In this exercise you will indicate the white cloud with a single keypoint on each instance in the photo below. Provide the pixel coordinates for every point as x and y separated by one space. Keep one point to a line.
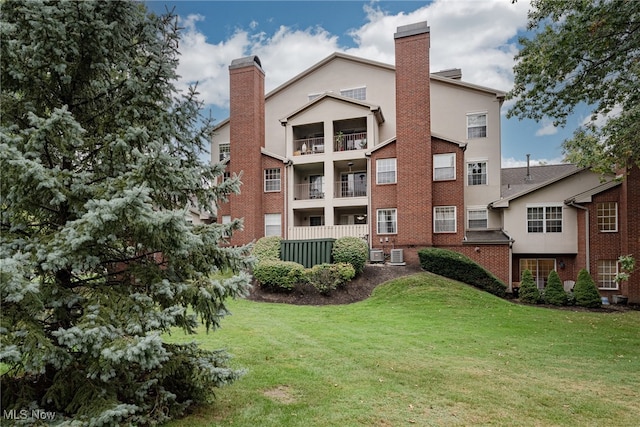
476 36
518 163
547 128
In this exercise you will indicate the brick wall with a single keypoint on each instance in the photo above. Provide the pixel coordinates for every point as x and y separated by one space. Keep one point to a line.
247 135
450 193
629 216
413 132
274 202
384 196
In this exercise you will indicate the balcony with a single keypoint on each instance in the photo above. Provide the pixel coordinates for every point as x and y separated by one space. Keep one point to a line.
328 232
308 191
350 141
308 146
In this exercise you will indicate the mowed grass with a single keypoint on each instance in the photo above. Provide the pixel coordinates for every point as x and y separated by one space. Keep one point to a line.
427 351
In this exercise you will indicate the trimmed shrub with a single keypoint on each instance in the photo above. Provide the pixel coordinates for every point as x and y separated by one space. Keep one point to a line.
529 292
267 248
352 250
328 277
585 291
554 292
278 275
459 267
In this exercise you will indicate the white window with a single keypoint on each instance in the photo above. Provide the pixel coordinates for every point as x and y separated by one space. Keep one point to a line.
476 125
608 216
226 219
477 173
386 171
225 151
607 271
444 166
477 218
272 224
544 219
313 96
387 221
272 180
539 268
444 219
359 93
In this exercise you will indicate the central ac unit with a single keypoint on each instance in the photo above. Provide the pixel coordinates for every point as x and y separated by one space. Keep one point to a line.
376 255
396 256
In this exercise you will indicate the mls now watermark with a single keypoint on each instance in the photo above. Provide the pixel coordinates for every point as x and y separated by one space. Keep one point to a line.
24 414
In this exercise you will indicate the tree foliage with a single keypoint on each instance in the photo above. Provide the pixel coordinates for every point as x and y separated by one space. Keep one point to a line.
554 292
529 292
584 53
100 157
585 291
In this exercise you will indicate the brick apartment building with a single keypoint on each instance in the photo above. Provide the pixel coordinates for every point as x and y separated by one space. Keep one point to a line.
407 159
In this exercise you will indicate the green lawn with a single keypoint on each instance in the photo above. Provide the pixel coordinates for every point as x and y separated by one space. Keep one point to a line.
425 351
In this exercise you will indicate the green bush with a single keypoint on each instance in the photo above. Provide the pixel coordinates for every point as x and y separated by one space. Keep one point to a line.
585 291
529 292
352 250
554 292
278 275
459 267
267 248
327 277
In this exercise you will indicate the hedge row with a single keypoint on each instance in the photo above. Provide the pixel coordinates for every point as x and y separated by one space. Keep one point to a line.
459 267
285 275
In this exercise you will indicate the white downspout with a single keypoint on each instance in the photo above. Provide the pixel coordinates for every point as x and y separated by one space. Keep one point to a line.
586 226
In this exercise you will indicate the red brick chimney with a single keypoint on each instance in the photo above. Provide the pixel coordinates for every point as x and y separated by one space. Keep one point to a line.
247 136
413 135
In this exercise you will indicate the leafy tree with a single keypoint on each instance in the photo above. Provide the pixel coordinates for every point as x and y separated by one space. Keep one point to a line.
554 292
584 53
100 158
585 291
528 292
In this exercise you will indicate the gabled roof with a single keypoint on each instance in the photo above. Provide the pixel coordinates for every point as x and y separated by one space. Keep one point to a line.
337 55
586 196
462 145
375 109
517 182
273 155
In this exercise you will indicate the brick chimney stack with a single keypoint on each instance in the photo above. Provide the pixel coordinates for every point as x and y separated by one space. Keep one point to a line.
413 133
247 136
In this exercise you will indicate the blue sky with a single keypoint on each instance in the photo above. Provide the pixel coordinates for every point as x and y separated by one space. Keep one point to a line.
479 36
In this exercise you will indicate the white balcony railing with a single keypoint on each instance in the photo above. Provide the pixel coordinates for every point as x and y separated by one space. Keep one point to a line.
328 232
351 141
308 146
308 191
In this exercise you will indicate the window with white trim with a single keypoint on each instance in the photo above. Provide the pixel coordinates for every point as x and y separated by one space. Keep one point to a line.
272 180
225 151
477 219
544 219
444 219
359 93
444 166
387 221
476 125
386 171
226 219
273 224
539 268
608 217
607 271
477 173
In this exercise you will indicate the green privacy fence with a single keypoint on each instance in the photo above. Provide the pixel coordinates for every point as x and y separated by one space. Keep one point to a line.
307 252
